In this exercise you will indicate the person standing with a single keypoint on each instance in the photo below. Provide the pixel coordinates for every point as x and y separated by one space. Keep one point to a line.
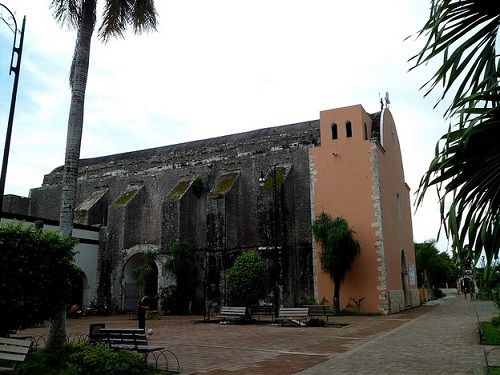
142 308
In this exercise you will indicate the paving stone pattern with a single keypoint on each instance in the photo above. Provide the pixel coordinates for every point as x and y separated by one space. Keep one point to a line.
441 338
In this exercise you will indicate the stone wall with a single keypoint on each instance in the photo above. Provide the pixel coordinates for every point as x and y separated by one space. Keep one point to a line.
206 192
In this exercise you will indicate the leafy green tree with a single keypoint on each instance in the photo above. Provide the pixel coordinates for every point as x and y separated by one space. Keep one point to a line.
247 279
143 275
35 275
488 277
434 269
339 249
462 35
81 15
182 263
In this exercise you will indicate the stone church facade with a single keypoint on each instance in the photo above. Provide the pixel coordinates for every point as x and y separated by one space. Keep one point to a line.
254 190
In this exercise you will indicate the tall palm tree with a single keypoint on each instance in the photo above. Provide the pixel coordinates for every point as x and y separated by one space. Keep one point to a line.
339 249
81 15
466 166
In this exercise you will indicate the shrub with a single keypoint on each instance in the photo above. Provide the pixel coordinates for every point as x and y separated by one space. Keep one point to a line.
83 359
100 360
35 275
307 300
167 299
246 279
495 321
438 293
182 263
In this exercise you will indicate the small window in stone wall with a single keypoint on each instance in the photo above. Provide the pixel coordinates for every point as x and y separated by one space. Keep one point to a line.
334 131
348 129
365 131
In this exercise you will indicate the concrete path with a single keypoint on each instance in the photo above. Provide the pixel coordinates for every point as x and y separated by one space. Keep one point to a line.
443 341
438 338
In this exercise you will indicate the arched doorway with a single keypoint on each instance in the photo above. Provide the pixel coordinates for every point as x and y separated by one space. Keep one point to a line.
405 280
79 289
140 276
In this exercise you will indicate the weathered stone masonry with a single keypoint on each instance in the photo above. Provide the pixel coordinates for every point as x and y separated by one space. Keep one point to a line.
149 197
209 193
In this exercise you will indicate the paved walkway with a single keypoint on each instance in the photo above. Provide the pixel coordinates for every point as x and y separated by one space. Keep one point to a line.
440 338
443 341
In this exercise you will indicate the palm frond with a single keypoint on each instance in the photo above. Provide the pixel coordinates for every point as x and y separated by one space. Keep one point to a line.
119 14
67 12
469 28
466 166
115 18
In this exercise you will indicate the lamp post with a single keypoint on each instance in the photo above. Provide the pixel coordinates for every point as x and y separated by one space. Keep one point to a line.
11 22
262 180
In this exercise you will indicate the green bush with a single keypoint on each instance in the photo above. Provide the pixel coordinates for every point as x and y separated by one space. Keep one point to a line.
491 334
438 293
495 321
247 279
307 300
182 263
100 360
83 359
36 269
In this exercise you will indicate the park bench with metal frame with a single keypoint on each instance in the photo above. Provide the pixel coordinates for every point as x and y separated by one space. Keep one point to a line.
232 313
293 314
134 339
13 350
322 311
259 310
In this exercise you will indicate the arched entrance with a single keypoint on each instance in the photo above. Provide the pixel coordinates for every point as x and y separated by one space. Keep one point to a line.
405 280
79 290
140 276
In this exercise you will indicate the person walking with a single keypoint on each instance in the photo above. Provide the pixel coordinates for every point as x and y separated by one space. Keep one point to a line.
142 308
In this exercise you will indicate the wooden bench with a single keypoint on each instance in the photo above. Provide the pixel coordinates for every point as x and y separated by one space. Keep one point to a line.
321 311
127 338
134 339
13 350
293 314
233 313
262 310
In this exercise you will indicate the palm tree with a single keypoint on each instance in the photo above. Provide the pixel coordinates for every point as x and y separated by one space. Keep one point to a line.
339 249
81 15
466 167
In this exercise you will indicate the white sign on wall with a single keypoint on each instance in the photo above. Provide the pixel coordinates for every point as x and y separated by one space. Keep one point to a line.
411 273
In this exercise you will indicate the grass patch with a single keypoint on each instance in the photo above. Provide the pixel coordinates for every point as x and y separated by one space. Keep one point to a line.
491 334
493 370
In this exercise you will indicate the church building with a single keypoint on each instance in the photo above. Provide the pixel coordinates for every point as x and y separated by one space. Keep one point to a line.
255 190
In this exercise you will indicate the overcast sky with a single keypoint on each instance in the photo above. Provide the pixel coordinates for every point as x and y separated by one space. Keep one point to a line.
220 67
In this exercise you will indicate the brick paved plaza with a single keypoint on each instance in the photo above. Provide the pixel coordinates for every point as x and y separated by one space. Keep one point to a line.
432 339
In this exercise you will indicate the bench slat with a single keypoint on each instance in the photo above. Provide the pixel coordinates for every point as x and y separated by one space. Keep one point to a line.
127 338
232 312
12 357
16 342
14 349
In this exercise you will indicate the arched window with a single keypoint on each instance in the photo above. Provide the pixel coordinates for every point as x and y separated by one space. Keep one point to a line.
334 131
365 131
348 129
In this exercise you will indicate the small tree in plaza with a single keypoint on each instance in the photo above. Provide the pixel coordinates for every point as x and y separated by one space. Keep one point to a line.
339 249
247 279
35 275
182 263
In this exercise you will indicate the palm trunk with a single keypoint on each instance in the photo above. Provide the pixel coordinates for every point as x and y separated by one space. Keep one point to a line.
336 296
78 81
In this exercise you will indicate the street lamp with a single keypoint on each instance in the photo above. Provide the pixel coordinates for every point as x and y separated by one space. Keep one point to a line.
11 22
272 169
